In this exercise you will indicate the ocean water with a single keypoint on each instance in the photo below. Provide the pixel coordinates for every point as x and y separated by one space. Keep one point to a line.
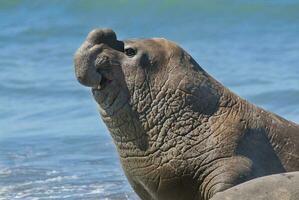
53 144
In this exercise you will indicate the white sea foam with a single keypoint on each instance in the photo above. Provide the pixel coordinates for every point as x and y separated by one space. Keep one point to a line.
49 173
20 191
5 171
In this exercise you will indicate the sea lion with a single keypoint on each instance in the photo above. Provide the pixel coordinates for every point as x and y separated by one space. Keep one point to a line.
283 186
180 134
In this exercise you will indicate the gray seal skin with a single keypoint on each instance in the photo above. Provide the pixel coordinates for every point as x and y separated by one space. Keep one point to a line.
180 134
274 187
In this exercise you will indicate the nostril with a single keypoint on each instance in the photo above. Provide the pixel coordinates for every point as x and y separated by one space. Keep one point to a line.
98 36
102 61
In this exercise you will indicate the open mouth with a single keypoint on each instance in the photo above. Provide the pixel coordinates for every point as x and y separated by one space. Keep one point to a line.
104 81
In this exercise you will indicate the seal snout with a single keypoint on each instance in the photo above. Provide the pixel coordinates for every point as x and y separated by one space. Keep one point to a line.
90 59
99 36
105 36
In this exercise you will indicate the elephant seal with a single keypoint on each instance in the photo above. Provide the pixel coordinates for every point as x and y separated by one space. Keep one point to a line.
180 134
283 186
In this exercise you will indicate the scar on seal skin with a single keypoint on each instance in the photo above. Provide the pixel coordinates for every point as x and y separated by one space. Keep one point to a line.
180 134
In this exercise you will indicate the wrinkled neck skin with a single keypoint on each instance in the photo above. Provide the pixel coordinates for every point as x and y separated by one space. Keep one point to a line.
179 123
160 112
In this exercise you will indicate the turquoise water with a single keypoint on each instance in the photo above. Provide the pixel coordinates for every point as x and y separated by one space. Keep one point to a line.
53 144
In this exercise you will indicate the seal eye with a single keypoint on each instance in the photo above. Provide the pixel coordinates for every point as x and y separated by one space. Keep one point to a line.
130 52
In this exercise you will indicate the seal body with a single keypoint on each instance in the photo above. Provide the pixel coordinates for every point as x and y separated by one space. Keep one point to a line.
283 186
180 134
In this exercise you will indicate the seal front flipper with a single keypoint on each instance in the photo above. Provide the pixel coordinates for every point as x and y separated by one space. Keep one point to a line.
224 173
